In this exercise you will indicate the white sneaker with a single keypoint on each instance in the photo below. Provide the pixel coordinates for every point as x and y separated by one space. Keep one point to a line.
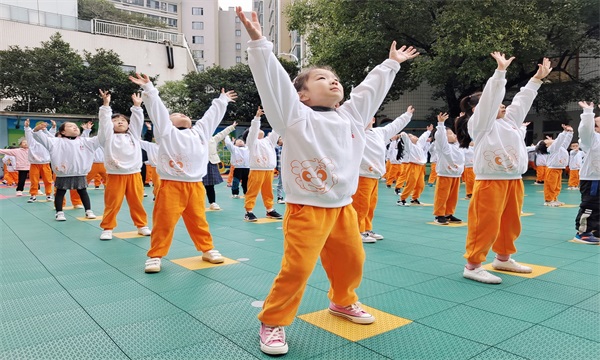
367 239
481 275
32 199
89 214
214 206
144 231
106 235
50 198
511 265
60 216
374 235
78 206
19 193
152 265
235 196
280 201
213 257
555 203
145 195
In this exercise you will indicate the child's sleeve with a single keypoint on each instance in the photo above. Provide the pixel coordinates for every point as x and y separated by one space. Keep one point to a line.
8 151
253 132
29 135
86 133
39 136
586 129
422 142
521 103
487 109
395 126
145 145
441 140
213 116
562 141
157 111
136 121
105 124
229 144
279 97
273 137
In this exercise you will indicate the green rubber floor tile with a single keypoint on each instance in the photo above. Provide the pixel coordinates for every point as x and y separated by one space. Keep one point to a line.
255 286
220 348
416 341
43 328
584 267
572 278
160 335
318 275
24 274
579 322
474 324
564 253
369 266
313 299
108 293
29 288
372 288
591 304
452 257
407 304
91 279
271 264
234 271
497 354
451 290
541 342
544 260
92 345
76 267
166 280
350 351
398 277
545 290
229 318
394 258
22 308
131 310
518 306
434 267
202 296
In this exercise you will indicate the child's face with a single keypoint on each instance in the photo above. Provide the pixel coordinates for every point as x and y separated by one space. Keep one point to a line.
280 141
261 134
71 130
451 136
120 125
548 142
574 146
501 112
24 144
322 88
240 143
180 121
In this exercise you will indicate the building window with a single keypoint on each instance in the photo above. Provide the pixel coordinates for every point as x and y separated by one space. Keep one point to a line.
237 20
198 54
238 32
197 11
198 25
238 46
128 68
238 59
172 22
172 8
200 67
198 39
153 4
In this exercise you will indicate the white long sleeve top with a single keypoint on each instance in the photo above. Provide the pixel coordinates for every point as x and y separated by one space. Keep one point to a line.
262 151
10 162
69 157
323 149
499 147
415 153
433 155
151 150
469 155
182 154
576 159
558 156
122 152
240 155
451 158
373 161
213 155
541 159
589 141
99 153
38 154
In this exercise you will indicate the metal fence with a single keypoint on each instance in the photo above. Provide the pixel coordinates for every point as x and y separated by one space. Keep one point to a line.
36 17
110 28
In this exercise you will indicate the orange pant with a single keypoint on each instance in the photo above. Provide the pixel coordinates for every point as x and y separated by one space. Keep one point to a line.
35 171
552 184
432 174
174 200
393 174
149 173
494 218
387 169
97 173
404 175
259 180
468 177
118 187
573 178
334 236
230 175
415 181
155 179
540 173
11 177
364 202
446 196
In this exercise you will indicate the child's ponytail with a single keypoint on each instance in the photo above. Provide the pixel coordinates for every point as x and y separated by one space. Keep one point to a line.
461 124
400 147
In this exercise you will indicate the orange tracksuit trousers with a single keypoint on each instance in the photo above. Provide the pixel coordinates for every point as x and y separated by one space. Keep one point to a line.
401 180
393 174
415 181
432 174
155 179
540 173
177 199
446 196
552 184
117 188
35 171
230 175
150 170
468 177
259 180
11 177
387 169
334 236
364 202
98 171
573 178
494 218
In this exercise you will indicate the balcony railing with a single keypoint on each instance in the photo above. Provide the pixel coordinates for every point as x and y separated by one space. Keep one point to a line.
103 27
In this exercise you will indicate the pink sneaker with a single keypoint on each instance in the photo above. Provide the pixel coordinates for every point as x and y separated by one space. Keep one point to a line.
353 313
272 340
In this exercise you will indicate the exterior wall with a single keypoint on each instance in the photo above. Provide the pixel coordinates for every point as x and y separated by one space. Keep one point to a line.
229 40
167 11
62 7
210 18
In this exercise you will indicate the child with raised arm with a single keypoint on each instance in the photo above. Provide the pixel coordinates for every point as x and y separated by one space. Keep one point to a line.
71 156
587 222
499 162
372 167
319 178
120 139
240 160
451 163
213 175
416 158
558 159
576 157
181 164
22 164
263 161
11 175
39 158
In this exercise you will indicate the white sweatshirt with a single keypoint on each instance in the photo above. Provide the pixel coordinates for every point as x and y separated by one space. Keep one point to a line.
11 163
69 157
99 153
213 155
589 141
499 147
240 156
122 152
576 159
38 154
469 154
433 154
415 153
451 158
323 149
182 154
373 160
151 150
541 159
558 156
262 151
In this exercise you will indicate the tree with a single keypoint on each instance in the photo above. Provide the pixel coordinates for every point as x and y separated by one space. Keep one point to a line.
105 10
176 96
455 38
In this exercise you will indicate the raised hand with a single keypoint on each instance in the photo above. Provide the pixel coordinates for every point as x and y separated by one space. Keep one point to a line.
148 125
402 54
587 105
259 112
235 123
252 26
501 60
87 125
40 126
526 124
567 128
105 95
442 117
26 123
53 123
430 127
137 99
139 79
543 69
410 109
231 95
